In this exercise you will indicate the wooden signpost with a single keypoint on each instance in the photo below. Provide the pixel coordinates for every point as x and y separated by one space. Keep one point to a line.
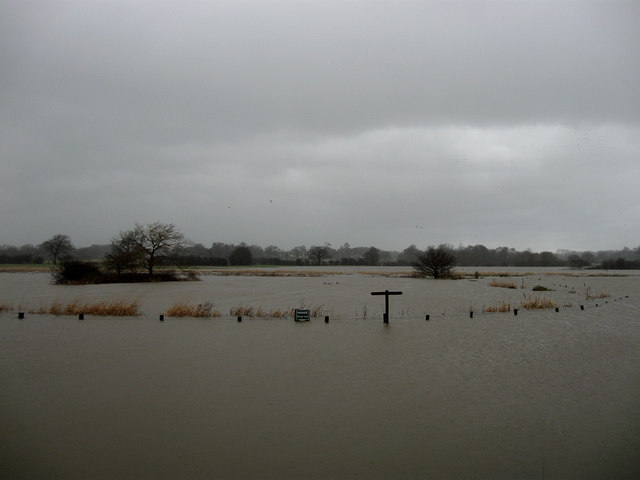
386 294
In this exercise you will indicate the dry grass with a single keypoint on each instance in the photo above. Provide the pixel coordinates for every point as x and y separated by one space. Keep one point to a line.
495 283
273 273
5 308
377 273
590 296
538 303
503 307
479 274
259 312
541 288
304 273
114 308
25 268
201 310
242 311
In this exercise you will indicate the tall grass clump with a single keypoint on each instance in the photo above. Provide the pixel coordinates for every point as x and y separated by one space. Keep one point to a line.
201 310
242 311
538 303
5 308
590 296
502 284
114 308
273 273
541 288
503 307
259 312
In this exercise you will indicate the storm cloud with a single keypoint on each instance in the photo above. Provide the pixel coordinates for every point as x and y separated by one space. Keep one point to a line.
289 123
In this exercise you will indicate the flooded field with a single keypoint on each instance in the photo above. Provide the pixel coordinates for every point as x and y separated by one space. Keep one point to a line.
540 394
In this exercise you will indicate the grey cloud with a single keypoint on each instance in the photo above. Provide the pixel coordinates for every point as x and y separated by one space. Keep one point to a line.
355 121
222 68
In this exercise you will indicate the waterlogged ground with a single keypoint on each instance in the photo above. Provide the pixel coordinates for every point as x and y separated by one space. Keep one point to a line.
544 394
340 293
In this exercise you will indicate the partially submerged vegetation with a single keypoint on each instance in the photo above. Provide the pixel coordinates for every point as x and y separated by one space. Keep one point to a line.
501 307
201 310
74 272
434 262
207 310
503 284
539 303
289 312
5 308
535 303
113 308
591 296
541 288
268 272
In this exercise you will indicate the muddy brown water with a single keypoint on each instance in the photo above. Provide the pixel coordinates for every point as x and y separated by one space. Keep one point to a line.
543 394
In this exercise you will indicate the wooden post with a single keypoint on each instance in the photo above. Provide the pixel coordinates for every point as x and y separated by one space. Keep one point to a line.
386 293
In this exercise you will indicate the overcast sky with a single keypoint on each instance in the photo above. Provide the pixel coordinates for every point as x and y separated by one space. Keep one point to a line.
506 123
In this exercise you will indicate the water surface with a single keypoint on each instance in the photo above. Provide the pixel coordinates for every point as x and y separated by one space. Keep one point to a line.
539 395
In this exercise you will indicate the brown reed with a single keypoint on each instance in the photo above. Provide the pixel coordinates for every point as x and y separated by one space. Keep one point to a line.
503 284
273 273
201 310
114 308
259 312
589 296
503 307
538 303
541 288
5 307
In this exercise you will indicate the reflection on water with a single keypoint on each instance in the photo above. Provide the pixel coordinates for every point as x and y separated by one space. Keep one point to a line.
538 396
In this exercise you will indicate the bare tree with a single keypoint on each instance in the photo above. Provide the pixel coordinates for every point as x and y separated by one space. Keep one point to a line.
241 256
434 262
158 241
318 254
57 247
371 256
298 253
124 254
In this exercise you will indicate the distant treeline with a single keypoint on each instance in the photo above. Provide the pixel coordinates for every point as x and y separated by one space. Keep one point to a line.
222 254
21 255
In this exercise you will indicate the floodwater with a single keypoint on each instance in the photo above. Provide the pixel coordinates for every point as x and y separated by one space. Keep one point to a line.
543 394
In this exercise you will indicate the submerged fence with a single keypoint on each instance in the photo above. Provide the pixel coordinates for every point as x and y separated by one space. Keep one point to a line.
305 315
